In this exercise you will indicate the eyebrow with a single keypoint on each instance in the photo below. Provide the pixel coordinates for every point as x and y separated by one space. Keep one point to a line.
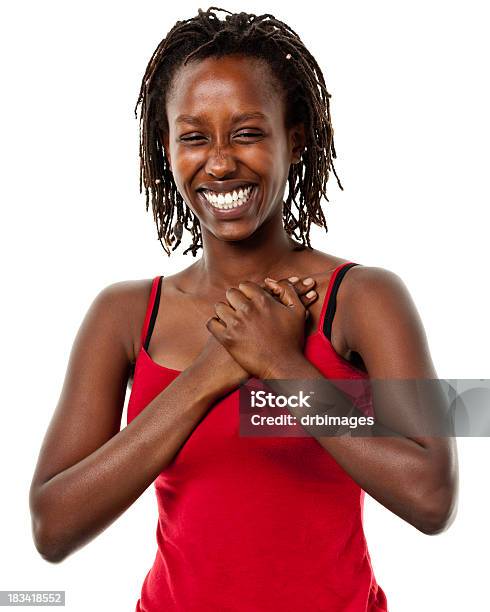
237 118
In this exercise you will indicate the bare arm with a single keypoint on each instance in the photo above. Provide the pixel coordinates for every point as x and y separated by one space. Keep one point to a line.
415 477
86 473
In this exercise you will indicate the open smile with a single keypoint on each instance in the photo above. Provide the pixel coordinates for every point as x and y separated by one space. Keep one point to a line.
230 204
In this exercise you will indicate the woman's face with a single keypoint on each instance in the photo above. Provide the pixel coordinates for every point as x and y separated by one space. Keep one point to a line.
228 145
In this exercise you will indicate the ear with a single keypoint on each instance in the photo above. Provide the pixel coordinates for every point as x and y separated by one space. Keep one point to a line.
297 141
165 139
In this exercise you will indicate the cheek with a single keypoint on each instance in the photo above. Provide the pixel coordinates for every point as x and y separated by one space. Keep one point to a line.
265 159
185 164
185 159
273 162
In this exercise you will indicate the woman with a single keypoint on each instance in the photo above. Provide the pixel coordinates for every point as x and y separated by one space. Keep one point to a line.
231 111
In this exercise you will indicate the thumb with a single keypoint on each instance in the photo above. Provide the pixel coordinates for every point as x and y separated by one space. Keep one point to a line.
285 293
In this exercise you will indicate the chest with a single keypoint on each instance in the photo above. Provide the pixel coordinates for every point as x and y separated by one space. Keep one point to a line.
180 330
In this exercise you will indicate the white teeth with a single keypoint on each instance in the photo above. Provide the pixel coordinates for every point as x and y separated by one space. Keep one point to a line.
230 199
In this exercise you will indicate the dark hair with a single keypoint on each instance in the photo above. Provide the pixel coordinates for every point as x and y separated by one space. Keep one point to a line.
307 101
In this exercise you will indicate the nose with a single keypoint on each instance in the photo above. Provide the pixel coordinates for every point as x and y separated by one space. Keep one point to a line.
220 163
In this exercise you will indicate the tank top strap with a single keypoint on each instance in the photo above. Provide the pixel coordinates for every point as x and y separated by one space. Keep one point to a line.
151 311
330 301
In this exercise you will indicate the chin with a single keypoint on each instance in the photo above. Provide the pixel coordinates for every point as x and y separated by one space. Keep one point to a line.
238 235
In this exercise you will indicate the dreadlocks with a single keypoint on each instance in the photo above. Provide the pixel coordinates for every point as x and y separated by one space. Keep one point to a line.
307 101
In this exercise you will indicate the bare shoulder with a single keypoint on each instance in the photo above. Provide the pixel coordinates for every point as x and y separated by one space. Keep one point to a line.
124 303
371 279
366 287
380 322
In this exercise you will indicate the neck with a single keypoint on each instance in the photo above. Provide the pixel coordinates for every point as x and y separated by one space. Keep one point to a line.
265 253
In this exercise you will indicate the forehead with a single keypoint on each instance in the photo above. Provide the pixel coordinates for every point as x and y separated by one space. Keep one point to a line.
237 83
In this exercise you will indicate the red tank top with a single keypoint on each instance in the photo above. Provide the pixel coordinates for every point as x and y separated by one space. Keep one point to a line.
255 524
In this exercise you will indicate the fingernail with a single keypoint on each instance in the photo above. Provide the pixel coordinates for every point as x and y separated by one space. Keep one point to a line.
270 279
293 279
307 281
311 294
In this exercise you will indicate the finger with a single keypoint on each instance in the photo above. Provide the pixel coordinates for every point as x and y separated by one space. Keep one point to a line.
285 292
304 285
215 327
237 299
224 312
271 292
276 287
251 290
304 288
309 298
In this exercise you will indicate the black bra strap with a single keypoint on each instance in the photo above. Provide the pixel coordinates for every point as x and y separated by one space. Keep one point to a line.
332 301
153 316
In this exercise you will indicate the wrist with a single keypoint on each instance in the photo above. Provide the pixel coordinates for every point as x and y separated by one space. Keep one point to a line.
211 383
207 387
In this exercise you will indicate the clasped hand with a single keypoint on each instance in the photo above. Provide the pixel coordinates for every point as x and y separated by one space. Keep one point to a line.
262 327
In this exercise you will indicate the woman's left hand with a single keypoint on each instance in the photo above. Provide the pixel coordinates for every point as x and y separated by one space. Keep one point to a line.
258 330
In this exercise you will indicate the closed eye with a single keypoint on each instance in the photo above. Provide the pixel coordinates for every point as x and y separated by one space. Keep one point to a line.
249 134
198 137
190 138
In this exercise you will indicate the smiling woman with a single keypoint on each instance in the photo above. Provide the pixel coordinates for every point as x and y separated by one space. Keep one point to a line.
236 147
283 96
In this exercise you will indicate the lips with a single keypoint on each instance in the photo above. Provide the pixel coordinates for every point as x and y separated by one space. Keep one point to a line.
224 186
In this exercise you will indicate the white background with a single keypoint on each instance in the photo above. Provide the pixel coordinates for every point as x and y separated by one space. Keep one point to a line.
410 111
